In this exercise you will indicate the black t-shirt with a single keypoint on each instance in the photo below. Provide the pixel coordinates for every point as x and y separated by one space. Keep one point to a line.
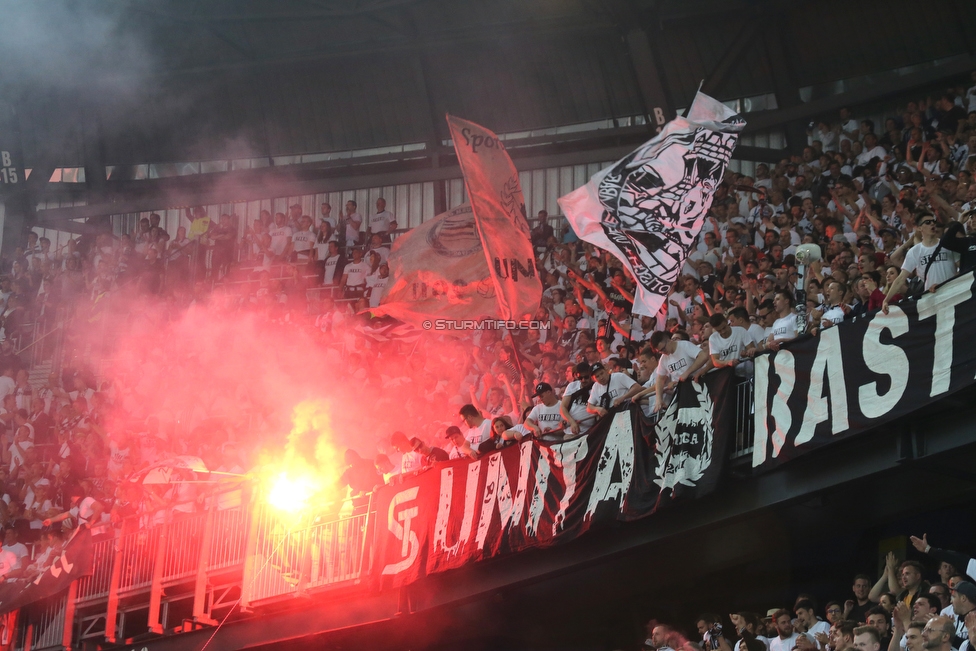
859 613
436 455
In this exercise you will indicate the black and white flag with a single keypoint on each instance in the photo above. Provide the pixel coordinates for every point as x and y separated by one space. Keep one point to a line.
648 208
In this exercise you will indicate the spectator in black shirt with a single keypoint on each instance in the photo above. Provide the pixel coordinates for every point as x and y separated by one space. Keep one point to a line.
542 233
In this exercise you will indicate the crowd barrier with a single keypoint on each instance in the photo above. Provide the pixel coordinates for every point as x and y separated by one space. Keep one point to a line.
243 556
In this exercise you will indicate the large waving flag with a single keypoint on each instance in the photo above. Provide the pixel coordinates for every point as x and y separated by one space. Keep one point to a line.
496 199
439 270
648 208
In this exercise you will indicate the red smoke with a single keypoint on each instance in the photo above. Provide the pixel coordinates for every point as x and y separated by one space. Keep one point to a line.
212 373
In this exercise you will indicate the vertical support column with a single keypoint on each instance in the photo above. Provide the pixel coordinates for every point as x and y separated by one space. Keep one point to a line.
112 610
785 89
69 616
200 589
156 591
248 578
18 210
650 81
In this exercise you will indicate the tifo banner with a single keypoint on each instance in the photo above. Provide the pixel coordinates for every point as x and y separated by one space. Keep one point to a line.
863 373
496 198
648 208
74 562
439 268
536 495
692 436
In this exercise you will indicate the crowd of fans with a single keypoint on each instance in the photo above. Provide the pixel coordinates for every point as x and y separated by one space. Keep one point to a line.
901 611
891 207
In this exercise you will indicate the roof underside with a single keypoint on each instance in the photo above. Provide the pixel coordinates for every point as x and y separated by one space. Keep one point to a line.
139 81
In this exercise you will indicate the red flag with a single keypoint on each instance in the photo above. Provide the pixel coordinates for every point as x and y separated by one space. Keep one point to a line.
499 210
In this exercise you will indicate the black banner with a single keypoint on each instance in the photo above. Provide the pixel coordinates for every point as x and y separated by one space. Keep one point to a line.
863 373
537 495
74 562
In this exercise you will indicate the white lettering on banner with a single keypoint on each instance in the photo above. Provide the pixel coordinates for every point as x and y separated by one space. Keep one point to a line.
891 361
566 456
498 496
761 416
942 305
618 450
444 508
400 527
521 492
827 367
537 506
784 365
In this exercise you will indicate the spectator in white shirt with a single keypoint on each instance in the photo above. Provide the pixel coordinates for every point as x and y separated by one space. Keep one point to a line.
680 360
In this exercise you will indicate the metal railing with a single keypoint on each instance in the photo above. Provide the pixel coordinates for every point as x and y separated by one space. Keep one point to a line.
184 537
43 624
95 586
745 425
290 557
137 550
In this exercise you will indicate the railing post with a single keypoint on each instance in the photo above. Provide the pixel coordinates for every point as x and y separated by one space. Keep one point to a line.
112 610
248 578
156 591
200 592
69 616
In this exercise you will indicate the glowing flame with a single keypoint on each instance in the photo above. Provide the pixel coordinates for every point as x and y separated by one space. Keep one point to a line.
303 479
291 495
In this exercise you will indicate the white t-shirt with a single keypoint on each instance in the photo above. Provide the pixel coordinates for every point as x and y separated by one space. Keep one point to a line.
302 243
617 386
757 333
578 410
673 366
381 221
820 627
353 222
330 268
478 435
7 386
779 644
549 419
19 550
761 638
8 562
731 348
411 461
377 286
356 274
784 328
279 238
942 269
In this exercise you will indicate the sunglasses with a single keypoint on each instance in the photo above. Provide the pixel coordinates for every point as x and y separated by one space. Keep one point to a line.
927 221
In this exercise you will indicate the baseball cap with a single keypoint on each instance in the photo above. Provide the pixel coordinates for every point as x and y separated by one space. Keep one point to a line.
451 431
415 443
966 588
541 388
595 368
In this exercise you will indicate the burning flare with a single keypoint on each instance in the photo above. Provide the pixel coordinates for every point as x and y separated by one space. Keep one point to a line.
305 478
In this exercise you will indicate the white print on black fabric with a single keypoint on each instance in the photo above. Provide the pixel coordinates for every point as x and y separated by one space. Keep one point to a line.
656 199
684 441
